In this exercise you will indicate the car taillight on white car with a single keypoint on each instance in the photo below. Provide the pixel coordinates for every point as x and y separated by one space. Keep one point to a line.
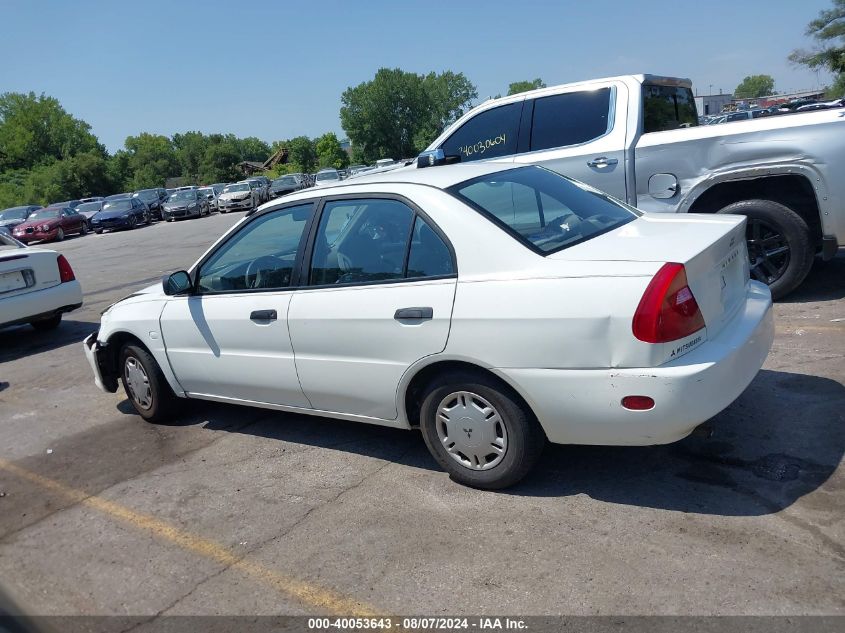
65 271
668 310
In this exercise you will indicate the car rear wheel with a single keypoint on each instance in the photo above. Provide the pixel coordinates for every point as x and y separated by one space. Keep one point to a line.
479 431
780 249
145 385
98 231
84 229
42 325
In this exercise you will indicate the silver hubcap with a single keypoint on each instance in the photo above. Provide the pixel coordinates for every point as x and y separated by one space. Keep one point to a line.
471 430
138 383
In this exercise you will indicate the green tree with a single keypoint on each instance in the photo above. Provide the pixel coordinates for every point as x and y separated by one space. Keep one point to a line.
829 32
524 86
754 86
398 113
219 162
37 131
302 154
120 173
189 149
330 153
152 160
252 148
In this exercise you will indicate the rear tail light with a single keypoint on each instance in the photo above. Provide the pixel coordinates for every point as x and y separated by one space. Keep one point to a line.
65 271
668 310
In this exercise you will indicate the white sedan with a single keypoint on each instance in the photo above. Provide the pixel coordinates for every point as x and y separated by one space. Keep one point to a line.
494 308
37 285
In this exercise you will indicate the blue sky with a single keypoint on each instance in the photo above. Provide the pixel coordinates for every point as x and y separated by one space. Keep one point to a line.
277 69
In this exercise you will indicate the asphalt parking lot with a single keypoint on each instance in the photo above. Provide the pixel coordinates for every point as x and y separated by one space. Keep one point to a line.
245 511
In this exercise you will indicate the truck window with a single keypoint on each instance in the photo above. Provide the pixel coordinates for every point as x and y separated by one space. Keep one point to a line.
491 134
570 118
668 108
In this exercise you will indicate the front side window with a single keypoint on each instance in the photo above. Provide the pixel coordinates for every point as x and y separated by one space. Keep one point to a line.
262 255
571 118
542 209
668 108
490 134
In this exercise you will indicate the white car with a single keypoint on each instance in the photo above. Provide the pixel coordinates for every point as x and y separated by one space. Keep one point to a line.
37 285
326 177
493 307
238 196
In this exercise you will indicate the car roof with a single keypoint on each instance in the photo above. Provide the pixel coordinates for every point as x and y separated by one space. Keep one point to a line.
441 177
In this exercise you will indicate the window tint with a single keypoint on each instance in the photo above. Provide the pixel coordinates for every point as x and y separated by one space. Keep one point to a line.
488 135
360 241
261 255
570 118
429 256
542 209
668 108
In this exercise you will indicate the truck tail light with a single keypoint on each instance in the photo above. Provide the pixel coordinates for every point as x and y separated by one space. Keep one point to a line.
668 310
65 271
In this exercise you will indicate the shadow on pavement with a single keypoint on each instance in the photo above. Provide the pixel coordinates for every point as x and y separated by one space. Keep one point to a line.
782 439
23 340
826 282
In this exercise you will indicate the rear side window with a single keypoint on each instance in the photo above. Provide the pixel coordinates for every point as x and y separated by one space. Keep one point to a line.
490 134
668 108
570 119
542 209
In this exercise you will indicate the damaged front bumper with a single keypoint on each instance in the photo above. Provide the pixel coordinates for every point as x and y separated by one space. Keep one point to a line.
104 376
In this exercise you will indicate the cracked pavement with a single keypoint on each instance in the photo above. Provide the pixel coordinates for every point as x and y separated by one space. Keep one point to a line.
743 517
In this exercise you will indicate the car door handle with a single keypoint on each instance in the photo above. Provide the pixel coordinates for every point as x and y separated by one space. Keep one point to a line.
602 161
417 314
263 315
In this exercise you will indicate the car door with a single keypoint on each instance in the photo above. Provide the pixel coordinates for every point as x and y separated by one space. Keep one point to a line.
70 221
229 339
378 296
580 134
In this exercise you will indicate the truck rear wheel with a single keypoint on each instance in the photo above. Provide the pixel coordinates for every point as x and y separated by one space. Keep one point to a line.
779 244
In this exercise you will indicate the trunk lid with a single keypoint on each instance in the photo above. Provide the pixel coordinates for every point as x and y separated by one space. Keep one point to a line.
711 248
25 270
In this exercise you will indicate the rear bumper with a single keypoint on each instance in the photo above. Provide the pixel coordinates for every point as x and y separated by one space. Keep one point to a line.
584 406
40 304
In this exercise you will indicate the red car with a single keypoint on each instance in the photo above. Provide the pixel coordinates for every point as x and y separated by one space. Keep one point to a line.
52 223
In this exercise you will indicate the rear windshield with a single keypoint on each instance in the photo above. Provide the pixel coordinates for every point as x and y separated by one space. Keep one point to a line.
668 108
542 209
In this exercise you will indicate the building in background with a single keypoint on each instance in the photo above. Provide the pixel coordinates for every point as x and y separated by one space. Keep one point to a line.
712 104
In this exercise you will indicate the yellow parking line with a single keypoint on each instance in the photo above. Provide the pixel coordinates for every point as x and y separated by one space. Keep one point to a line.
310 594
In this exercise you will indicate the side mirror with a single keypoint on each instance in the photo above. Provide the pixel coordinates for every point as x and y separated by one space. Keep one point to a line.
177 283
436 157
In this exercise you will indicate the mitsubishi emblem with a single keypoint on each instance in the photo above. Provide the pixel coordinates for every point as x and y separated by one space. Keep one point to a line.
469 433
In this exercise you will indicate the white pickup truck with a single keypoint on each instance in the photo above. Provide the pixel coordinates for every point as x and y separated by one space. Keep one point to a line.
637 138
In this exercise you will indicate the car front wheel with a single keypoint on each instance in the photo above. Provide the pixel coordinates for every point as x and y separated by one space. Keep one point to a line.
479 431
145 385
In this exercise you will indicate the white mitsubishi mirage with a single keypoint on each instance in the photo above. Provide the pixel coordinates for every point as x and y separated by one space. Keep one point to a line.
493 307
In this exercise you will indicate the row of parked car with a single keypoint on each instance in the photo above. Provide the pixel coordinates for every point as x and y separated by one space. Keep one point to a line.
31 223
756 113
